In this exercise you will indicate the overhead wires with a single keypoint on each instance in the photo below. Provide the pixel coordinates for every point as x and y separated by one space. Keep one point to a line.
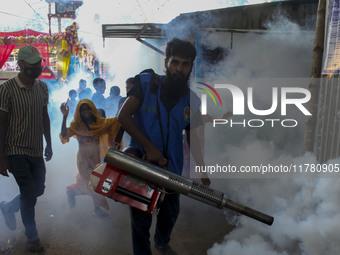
145 18
37 13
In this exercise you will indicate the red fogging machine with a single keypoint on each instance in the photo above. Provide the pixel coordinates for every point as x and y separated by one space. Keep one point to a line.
135 182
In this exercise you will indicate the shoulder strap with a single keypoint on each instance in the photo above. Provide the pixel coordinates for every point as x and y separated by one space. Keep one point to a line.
118 138
154 80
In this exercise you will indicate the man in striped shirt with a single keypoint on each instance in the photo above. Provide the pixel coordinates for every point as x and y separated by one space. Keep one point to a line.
24 121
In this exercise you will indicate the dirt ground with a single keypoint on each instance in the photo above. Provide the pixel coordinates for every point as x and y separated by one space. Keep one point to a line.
65 231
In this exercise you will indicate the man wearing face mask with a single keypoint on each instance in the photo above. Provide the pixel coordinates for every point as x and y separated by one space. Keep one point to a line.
24 121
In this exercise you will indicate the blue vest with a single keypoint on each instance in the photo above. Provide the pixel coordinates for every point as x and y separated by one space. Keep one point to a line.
173 123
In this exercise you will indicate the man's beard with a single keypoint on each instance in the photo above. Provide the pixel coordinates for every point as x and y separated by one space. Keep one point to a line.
176 84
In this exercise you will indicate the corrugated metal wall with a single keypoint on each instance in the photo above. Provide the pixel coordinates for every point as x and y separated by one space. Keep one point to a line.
257 16
328 120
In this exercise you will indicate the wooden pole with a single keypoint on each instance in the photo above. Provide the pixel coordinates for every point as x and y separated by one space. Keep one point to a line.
49 19
314 85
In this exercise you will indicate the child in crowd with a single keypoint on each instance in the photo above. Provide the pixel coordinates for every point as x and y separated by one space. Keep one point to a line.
72 101
112 101
98 99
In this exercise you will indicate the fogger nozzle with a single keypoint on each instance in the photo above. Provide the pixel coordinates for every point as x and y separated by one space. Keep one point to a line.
180 184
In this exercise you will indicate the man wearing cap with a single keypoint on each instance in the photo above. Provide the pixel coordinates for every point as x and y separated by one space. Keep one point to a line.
24 121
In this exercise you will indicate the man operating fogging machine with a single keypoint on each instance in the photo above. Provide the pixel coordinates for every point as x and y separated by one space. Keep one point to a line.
155 114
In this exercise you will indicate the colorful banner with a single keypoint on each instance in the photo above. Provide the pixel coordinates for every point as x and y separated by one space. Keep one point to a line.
66 58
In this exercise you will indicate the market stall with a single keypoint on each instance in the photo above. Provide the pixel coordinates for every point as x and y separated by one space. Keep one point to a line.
56 49
10 42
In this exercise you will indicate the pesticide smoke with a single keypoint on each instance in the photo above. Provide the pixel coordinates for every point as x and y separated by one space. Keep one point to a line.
306 210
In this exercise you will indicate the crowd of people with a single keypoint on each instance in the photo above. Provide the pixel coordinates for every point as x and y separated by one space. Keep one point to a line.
155 113
109 106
